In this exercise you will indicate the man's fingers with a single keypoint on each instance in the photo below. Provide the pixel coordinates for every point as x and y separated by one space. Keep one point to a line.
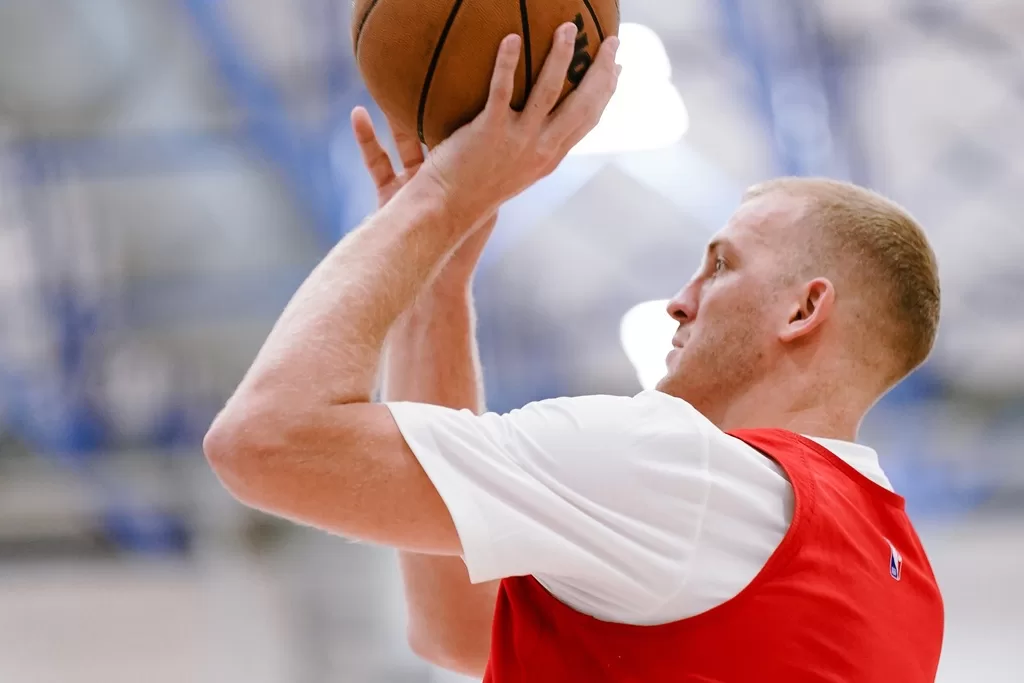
586 126
582 109
410 151
503 82
551 82
374 156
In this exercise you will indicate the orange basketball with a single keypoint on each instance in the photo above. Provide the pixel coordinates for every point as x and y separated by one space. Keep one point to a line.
428 63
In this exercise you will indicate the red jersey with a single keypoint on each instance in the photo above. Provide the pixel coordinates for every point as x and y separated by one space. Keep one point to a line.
847 596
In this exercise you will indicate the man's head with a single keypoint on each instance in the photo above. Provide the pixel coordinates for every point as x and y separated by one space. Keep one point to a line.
813 285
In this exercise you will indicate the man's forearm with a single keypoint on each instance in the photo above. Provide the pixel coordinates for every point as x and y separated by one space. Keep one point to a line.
432 353
326 347
432 358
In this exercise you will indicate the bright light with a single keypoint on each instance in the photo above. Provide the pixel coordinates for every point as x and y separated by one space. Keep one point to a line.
646 335
646 112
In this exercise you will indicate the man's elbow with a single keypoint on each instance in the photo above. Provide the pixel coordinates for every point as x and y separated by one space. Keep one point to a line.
234 446
462 656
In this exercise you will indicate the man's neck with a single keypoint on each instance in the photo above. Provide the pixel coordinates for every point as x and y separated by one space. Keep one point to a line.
826 414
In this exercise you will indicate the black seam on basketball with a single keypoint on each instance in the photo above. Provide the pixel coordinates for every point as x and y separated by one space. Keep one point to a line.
593 15
433 67
527 52
362 23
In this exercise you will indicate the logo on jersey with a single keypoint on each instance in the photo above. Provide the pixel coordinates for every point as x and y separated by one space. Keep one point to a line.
895 562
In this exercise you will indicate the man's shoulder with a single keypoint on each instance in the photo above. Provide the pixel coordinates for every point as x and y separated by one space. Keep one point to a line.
647 421
649 404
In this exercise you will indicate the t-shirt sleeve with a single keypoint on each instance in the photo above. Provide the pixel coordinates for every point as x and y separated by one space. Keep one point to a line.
605 492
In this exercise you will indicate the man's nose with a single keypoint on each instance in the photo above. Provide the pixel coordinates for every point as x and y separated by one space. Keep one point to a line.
683 306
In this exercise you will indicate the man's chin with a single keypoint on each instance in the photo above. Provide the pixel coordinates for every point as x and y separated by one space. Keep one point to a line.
665 385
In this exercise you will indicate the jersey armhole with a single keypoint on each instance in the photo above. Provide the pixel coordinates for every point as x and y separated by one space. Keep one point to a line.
880 492
805 503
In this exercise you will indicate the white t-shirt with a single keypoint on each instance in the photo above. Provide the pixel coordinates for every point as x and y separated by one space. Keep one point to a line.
635 510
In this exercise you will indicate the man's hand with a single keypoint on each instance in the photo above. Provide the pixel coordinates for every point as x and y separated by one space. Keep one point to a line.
502 152
376 158
459 269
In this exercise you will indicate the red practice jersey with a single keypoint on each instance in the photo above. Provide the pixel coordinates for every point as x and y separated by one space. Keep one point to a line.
848 596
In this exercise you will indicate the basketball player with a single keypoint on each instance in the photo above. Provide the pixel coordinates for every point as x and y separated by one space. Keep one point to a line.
725 527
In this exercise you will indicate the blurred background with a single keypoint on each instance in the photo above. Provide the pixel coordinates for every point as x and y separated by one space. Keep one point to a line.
171 169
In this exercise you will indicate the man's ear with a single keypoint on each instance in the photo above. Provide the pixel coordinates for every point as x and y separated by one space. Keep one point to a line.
812 308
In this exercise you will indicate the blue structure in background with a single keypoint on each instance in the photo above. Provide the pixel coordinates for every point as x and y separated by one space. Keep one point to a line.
55 412
302 158
57 417
61 415
798 85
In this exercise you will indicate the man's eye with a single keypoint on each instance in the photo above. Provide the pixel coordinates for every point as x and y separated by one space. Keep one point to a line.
719 265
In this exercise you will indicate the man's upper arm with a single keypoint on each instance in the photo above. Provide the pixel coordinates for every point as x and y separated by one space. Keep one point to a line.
344 469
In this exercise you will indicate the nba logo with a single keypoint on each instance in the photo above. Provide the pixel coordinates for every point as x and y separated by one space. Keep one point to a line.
895 562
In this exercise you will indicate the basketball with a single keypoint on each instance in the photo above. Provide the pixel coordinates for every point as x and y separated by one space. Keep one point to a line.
428 63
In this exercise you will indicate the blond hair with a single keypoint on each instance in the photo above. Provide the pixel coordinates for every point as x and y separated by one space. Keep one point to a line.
875 243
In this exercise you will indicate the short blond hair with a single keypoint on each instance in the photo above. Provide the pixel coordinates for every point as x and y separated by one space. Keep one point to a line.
882 247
